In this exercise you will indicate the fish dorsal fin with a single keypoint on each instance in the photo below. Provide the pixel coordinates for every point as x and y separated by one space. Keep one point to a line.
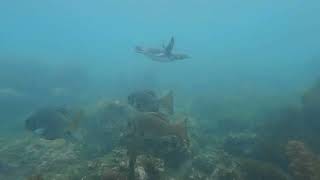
166 102
169 47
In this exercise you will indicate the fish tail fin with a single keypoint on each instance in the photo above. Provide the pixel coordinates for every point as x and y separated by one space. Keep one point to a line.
181 130
166 102
169 47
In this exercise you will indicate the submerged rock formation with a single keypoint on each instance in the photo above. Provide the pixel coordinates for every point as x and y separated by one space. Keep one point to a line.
304 164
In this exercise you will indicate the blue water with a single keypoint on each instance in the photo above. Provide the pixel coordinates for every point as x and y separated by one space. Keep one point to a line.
265 44
75 52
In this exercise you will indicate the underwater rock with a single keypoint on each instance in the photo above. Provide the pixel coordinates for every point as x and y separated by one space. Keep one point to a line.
146 168
215 165
304 164
168 148
152 167
140 173
193 174
227 168
204 162
46 157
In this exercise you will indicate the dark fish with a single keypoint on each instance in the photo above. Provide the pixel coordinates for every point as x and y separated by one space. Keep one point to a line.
53 123
147 101
163 54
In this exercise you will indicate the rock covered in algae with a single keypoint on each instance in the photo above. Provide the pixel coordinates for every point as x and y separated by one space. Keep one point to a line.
149 167
213 165
304 164
51 159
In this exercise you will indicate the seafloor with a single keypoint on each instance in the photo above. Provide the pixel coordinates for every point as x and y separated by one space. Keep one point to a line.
282 146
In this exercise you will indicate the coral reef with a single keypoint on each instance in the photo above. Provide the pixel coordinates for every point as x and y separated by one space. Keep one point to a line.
304 164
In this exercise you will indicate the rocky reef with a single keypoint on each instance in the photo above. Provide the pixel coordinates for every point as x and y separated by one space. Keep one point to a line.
304 164
56 159
237 152
215 165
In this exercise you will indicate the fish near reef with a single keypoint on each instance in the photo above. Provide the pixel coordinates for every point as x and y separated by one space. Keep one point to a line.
53 123
147 101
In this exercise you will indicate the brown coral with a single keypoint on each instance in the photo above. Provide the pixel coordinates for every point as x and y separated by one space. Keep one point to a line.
304 165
